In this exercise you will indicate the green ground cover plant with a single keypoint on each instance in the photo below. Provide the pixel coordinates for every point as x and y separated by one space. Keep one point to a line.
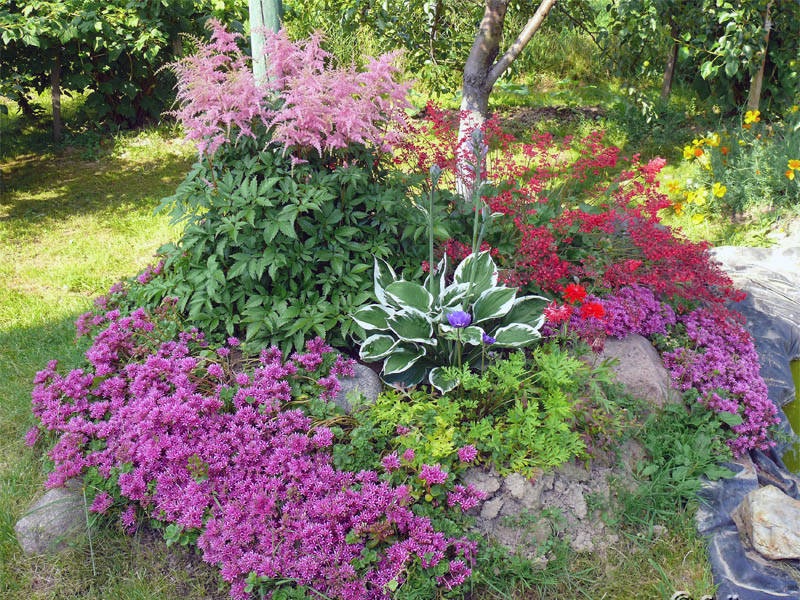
404 453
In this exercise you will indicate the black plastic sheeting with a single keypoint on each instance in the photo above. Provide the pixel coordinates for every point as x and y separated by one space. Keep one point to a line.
771 278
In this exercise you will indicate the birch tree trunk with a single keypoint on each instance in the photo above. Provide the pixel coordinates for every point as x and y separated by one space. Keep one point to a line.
481 72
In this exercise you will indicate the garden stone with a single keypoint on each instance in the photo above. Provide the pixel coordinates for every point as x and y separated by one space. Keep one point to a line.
365 384
640 370
52 522
768 520
484 481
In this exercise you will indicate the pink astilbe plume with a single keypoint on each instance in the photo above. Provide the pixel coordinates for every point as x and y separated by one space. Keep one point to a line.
217 91
304 101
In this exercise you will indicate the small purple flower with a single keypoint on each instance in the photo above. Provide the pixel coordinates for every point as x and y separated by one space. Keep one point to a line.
432 474
459 319
402 430
233 342
31 436
409 455
467 454
102 502
391 462
215 370
487 339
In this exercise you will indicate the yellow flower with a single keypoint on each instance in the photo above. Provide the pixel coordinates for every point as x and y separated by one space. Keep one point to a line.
718 189
794 108
688 153
789 174
673 187
698 218
713 140
794 164
752 116
700 196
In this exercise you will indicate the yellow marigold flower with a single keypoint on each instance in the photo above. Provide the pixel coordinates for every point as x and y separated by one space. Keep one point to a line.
688 153
794 164
752 116
789 174
719 189
713 140
698 218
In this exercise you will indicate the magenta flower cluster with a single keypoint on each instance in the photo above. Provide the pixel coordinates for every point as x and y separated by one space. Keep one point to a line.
721 363
215 451
635 309
303 100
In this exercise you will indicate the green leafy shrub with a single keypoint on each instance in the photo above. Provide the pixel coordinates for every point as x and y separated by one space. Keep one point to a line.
420 328
276 252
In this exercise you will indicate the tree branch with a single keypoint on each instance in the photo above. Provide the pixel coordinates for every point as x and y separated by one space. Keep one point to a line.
531 27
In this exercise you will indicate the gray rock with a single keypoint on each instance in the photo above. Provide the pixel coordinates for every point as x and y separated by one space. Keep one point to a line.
364 387
768 520
639 369
53 521
484 481
515 484
491 508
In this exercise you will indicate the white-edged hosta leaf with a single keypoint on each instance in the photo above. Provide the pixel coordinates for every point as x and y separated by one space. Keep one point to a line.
412 326
383 276
526 309
376 347
479 270
411 376
454 295
493 304
441 381
372 317
468 335
515 335
402 358
408 294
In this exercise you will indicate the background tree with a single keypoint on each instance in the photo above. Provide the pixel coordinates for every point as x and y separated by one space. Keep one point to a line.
112 50
737 52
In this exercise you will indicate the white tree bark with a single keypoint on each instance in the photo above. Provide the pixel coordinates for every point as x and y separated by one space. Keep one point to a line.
481 72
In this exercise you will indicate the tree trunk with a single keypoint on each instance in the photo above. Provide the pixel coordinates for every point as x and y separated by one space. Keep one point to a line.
55 89
264 15
757 80
672 58
481 72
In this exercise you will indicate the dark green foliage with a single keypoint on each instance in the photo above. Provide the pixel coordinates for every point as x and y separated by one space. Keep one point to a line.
276 252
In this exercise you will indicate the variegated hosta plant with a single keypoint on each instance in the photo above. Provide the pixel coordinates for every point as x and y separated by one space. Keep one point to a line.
419 329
